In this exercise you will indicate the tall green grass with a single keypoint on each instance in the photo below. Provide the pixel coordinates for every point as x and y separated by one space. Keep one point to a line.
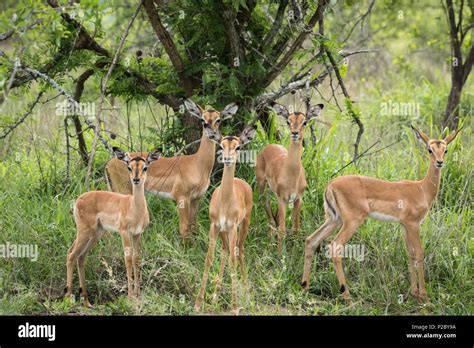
36 201
36 206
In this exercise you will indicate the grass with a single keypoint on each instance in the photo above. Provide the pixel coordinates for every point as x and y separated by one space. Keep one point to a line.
36 209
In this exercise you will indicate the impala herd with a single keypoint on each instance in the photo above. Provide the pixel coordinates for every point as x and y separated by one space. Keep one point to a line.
348 201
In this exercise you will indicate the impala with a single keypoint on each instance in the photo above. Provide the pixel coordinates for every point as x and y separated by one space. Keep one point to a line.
184 179
98 211
283 172
229 210
350 199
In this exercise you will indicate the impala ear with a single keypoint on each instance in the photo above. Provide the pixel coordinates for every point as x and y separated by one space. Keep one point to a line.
452 136
314 111
229 111
281 110
421 136
122 156
247 135
154 155
194 109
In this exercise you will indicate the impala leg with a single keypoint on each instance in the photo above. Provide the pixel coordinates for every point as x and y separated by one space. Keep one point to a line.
270 216
419 262
183 211
411 263
72 254
193 210
81 262
209 259
224 251
242 237
136 265
281 223
295 219
233 269
311 244
128 261
69 270
337 247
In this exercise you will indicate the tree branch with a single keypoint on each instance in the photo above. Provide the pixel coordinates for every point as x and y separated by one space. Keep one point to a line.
168 44
102 93
22 119
467 66
276 24
274 72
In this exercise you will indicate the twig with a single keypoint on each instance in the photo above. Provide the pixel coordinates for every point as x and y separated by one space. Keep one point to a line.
68 154
23 117
102 93
352 161
356 119
187 146
359 20
366 154
35 73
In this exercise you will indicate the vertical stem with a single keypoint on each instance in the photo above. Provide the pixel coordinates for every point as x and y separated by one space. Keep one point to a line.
102 93
68 155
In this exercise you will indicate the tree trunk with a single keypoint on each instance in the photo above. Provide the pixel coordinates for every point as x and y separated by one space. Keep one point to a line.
192 132
451 114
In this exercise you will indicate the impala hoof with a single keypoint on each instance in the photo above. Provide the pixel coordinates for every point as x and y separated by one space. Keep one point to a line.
422 298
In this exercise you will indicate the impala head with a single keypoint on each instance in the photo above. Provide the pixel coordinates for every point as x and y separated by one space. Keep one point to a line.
231 145
137 166
297 121
211 119
435 147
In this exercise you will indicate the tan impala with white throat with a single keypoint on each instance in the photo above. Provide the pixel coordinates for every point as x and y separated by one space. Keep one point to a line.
350 199
282 170
229 210
98 211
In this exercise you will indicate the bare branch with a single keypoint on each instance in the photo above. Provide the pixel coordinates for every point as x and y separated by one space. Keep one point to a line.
22 119
274 72
359 20
61 90
291 85
276 24
102 93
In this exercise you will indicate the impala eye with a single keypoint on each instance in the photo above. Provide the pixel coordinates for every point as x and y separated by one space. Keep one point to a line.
430 151
446 151
288 122
218 121
237 148
129 169
145 169
305 122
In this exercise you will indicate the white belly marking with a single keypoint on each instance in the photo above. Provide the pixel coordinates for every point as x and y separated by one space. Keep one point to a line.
162 194
383 217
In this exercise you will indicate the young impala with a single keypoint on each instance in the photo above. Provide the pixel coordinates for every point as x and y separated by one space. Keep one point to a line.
350 199
230 209
98 211
283 172
184 179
